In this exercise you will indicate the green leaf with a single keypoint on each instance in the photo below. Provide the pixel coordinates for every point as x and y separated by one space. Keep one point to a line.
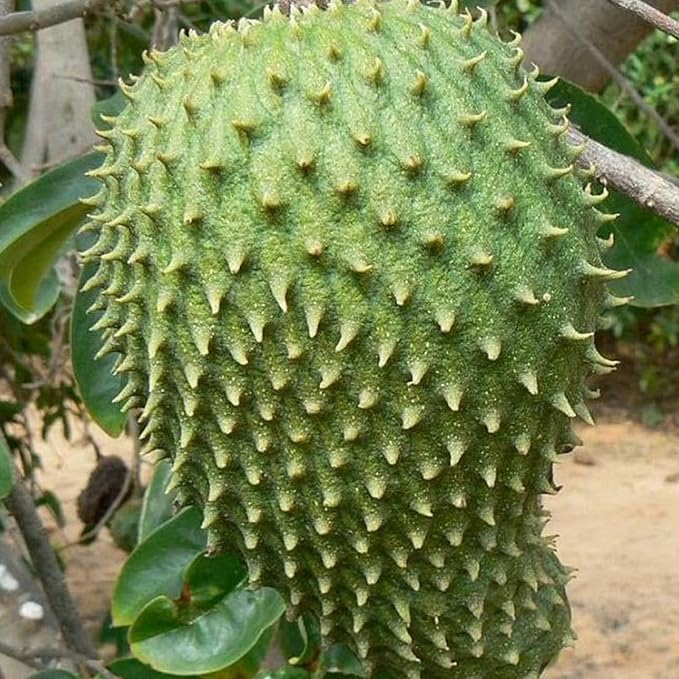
96 383
638 232
339 658
209 578
596 120
248 665
6 473
300 639
217 638
54 674
654 280
131 668
157 504
116 636
158 565
45 298
36 223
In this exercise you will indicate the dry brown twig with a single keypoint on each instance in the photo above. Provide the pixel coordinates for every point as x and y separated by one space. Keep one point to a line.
613 169
650 15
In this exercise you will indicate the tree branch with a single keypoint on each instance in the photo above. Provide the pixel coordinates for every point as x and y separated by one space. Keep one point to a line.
650 15
18 22
33 658
646 187
20 504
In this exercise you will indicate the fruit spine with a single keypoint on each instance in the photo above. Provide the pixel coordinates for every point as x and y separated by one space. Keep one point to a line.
354 283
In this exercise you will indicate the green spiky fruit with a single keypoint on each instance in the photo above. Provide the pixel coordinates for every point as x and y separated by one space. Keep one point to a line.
354 282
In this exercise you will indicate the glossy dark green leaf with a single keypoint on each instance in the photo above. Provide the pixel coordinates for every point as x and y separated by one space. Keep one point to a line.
165 638
157 505
131 668
36 223
300 639
209 578
96 383
248 666
638 232
6 472
340 659
158 565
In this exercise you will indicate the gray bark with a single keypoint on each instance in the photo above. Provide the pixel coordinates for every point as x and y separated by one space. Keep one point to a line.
62 94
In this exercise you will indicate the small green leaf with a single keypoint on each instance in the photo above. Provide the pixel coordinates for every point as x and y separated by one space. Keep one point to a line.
638 232
157 505
36 223
158 565
96 383
339 658
6 473
300 639
131 668
211 577
217 638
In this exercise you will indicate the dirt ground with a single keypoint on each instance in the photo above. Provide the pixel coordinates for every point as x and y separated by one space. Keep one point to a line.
618 521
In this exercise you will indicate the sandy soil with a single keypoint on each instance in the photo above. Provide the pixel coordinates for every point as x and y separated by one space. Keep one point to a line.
618 521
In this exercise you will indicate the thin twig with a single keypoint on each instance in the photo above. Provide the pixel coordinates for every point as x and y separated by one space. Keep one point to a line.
20 504
7 158
32 658
646 187
19 655
618 77
650 15
18 22
89 81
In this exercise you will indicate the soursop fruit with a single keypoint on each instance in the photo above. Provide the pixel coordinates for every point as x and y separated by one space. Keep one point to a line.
353 281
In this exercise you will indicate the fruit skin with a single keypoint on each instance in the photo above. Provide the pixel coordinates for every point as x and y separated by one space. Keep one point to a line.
354 284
